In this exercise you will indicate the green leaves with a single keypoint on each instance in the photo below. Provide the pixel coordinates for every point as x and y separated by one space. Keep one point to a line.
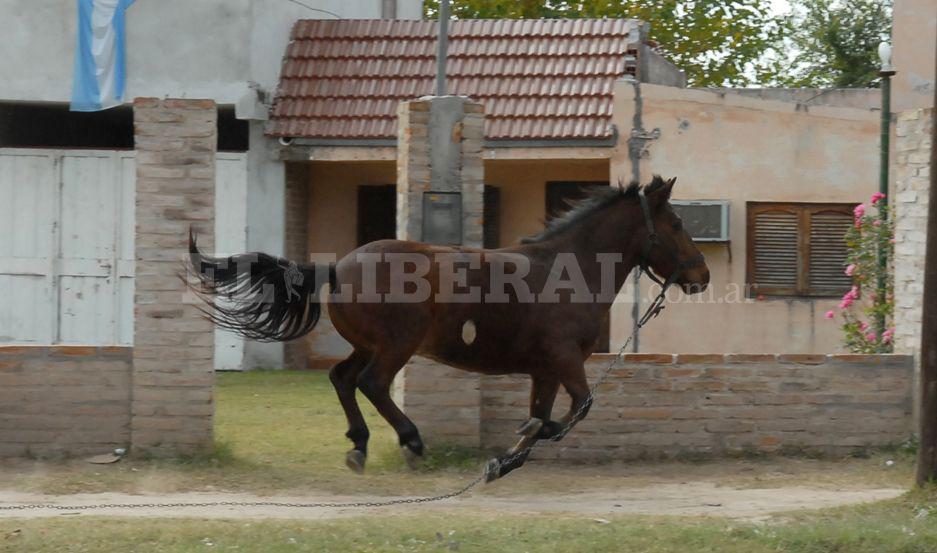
733 42
717 42
836 44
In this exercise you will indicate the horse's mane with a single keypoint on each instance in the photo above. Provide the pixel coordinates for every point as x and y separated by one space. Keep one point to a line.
595 200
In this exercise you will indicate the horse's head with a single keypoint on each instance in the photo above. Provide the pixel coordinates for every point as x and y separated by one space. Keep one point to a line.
668 249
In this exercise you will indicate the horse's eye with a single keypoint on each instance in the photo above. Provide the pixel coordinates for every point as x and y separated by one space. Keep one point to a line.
678 225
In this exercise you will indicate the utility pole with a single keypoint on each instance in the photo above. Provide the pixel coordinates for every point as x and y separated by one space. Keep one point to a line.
442 50
927 452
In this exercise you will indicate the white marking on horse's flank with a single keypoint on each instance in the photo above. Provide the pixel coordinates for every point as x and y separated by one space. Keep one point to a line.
468 332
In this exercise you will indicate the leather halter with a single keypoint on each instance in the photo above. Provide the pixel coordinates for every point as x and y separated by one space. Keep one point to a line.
654 240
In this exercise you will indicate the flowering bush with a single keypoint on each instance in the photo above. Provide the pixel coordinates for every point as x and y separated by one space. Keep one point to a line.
872 232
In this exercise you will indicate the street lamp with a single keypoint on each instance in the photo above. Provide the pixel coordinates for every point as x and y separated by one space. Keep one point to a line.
886 72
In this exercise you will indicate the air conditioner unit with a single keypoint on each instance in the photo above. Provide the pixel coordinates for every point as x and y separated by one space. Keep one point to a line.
705 220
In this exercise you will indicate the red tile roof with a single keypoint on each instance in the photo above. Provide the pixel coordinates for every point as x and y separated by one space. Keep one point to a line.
539 79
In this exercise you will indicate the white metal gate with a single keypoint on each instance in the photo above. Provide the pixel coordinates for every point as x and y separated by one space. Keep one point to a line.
67 245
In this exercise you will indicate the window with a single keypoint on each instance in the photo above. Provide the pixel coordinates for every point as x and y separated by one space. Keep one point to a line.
798 249
492 217
52 125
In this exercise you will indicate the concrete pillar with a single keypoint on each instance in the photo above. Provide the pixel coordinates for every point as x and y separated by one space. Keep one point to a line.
439 149
266 204
173 373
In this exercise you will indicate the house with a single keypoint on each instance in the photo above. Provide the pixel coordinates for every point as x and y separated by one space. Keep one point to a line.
560 99
66 178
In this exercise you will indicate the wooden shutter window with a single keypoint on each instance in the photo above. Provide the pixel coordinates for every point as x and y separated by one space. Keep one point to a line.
798 249
826 274
773 256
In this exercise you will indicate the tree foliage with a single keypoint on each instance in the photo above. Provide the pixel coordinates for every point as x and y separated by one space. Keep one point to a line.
716 42
836 43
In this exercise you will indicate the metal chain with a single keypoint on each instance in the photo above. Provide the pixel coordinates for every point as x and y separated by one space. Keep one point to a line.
653 310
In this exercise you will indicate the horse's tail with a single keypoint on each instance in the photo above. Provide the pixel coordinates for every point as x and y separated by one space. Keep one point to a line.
260 297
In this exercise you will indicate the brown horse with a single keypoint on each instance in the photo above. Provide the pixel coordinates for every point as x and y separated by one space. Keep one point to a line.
534 309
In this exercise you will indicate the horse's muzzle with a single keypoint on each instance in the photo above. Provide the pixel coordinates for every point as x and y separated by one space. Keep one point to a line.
697 283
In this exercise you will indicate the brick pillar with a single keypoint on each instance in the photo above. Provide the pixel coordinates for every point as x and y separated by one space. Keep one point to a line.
296 353
173 373
439 149
909 200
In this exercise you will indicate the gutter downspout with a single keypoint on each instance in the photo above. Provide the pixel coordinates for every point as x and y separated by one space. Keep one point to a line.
635 146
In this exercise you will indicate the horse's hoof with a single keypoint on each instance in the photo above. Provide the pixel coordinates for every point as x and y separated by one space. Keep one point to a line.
355 459
492 470
530 428
413 460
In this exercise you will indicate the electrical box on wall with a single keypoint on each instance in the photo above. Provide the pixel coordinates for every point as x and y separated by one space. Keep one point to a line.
704 220
442 218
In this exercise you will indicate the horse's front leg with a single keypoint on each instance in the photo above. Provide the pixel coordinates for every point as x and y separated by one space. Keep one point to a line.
542 395
577 386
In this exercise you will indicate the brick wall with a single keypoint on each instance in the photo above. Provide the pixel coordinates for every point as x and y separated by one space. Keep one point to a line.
64 400
912 182
173 373
296 353
668 405
443 402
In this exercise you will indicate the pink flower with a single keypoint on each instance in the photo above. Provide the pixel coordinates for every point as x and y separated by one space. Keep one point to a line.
849 298
864 326
871 337
830 314
859 211
877 223
876 197
850 269
888 335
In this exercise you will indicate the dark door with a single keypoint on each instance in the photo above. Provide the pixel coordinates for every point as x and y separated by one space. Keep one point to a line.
377 213
561 196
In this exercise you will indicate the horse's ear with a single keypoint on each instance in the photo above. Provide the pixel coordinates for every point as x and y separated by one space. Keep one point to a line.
660 192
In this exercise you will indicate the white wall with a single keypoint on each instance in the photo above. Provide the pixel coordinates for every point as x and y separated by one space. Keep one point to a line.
179 48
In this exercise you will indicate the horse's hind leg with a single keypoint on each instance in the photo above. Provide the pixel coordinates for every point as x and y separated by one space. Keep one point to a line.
344 378
375 383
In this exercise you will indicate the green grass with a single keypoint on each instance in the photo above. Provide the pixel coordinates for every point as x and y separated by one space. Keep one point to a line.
275 430
281 431
905 525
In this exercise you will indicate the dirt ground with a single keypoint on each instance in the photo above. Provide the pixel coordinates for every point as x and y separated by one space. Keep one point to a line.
696 499
738 489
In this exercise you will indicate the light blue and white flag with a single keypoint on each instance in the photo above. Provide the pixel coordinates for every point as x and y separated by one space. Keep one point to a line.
99 55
